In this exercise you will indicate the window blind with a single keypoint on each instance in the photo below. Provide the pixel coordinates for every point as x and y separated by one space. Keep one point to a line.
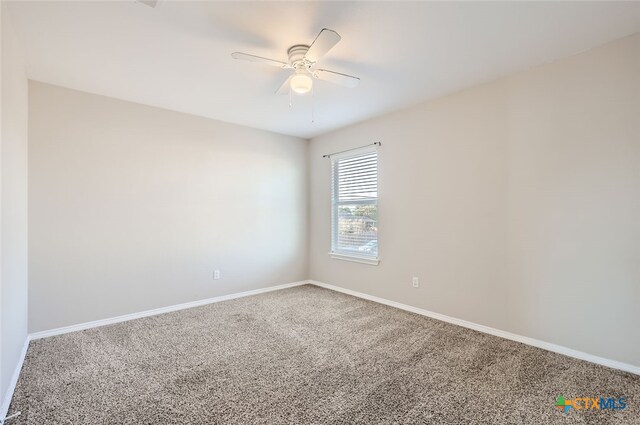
355 204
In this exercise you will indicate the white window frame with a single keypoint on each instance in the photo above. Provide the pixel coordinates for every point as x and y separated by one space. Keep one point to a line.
343 255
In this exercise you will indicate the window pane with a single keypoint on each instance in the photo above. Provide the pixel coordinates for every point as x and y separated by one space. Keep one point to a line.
355 196
357 230
357 177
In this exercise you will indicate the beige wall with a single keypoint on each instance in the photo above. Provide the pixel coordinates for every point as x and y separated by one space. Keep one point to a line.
13 201
516 203
132 207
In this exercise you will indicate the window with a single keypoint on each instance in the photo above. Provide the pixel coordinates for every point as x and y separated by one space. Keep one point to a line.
354 224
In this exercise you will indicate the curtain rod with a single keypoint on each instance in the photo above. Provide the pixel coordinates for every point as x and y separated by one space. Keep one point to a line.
353 149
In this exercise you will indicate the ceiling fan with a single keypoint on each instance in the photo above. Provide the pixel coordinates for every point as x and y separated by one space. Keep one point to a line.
303 60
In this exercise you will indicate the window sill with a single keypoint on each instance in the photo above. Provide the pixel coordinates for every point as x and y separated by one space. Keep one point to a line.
355 258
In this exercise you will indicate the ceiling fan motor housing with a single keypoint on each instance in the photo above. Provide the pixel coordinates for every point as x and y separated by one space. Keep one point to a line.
296 56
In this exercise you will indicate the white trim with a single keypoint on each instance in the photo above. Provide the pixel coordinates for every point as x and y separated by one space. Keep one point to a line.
488 330
355 258
14 381
161 310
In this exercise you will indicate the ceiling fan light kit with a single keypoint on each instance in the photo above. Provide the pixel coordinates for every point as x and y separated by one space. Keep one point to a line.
301 82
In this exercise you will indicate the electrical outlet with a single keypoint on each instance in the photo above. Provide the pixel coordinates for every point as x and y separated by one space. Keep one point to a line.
415 282
216 274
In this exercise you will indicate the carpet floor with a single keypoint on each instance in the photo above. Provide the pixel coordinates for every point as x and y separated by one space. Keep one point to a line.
305 355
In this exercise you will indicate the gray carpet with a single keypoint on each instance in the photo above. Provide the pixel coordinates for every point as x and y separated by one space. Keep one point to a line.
305 355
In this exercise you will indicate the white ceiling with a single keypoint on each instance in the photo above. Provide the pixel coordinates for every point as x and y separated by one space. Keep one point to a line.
177 55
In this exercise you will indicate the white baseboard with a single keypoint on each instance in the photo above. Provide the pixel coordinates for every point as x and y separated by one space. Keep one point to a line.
156 311
4 408
488 330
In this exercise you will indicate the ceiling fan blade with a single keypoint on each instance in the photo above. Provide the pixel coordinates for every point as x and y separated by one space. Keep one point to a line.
150 3
337 78
322 44
285 87
259 59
